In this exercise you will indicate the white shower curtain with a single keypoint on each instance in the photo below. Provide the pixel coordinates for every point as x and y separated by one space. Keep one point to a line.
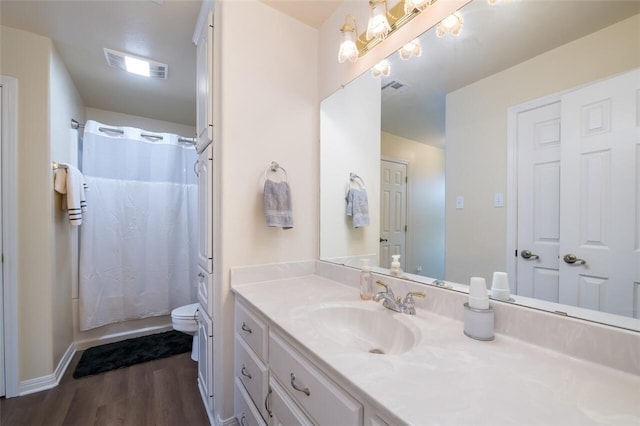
138 246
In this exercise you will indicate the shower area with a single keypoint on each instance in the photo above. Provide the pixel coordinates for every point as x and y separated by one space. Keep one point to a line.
138 237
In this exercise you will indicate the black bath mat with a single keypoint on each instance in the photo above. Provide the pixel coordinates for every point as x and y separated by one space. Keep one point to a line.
100 359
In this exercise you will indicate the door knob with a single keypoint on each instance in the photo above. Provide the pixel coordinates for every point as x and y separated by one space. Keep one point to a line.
383 240
572 258
526 254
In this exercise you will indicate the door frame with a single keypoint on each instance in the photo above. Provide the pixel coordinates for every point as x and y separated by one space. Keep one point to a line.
9 282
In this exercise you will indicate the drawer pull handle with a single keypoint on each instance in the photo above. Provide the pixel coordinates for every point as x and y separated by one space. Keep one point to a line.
243 420
244 372
246 328
305 391
266 402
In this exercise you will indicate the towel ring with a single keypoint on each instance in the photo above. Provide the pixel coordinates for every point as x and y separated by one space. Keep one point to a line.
353 177
274 168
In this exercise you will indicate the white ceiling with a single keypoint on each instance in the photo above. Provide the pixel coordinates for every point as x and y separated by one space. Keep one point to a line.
154 29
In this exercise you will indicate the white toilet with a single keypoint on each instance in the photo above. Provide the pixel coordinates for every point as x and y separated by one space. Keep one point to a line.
185 319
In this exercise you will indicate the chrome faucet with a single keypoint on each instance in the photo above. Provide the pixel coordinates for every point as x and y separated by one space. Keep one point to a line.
389 300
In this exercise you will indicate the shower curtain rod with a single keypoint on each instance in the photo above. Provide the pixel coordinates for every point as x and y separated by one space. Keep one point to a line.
76 125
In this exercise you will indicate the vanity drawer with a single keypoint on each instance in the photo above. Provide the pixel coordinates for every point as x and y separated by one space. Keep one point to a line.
252 330
318 395
245 412
253 374
283 410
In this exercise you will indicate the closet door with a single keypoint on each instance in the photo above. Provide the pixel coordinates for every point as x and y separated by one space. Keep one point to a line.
600 215
539 202
205 209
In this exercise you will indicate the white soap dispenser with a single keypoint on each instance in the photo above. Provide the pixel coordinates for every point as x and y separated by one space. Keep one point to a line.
366 281
395 266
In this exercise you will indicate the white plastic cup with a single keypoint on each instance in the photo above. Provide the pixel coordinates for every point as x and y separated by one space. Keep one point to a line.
478 297
500 286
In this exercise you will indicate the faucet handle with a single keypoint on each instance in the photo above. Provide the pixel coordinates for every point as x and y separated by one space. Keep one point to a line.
386 287
409 305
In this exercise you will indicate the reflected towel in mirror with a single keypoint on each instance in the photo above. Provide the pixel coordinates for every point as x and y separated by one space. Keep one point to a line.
277 204
358 206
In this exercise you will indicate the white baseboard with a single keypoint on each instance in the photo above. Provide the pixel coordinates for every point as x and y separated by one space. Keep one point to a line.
116 337
50 380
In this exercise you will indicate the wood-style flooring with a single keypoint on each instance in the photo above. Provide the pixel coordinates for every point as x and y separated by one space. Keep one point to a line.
157 393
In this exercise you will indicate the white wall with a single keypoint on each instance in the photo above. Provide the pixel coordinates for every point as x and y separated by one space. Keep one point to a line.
64 104
35 198
425 196
113 118
476 139
266 110
350 142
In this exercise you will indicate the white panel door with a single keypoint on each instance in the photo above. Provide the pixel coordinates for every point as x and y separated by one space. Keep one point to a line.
538 142
393 211
204 167
600 211
2 387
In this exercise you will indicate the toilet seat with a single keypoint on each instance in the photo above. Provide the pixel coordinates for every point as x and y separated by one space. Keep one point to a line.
184 318
185 312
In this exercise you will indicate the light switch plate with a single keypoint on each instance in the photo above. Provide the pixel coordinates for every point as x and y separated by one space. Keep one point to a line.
498 199
459 202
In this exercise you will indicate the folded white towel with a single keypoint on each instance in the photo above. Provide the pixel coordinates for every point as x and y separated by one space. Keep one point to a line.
277 204
70 182
358 206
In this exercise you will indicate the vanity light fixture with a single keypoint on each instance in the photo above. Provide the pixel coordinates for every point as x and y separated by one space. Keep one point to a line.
419 5
382 23
378 26
411 49
348 48
452 24
381 68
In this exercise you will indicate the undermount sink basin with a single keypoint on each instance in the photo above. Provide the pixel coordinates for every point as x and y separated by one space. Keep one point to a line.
359 328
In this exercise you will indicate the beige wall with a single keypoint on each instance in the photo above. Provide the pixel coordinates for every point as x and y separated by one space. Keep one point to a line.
350 142
267 110
425 203
476 139
35 197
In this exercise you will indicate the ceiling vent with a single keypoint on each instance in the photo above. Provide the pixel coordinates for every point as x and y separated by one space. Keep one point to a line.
393 88
136 64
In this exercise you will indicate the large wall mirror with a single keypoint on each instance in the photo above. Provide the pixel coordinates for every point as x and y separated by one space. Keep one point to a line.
463 154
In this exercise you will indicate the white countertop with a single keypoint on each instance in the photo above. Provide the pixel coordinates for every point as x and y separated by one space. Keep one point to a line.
448 378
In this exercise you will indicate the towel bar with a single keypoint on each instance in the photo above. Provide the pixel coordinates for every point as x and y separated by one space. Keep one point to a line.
55 165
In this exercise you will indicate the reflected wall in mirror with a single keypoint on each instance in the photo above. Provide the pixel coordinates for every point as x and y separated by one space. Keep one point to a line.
451 117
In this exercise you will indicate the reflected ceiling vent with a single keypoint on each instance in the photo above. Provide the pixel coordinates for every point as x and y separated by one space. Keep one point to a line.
136 64
393 88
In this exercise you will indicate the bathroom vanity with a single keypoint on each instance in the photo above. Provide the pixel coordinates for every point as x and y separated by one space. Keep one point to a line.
309 351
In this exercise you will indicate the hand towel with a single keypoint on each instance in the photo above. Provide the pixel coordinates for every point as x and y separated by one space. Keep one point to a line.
70 181
277 204
358 206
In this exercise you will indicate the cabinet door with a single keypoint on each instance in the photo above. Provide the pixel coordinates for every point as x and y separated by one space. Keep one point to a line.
283 411
205 291
205 209
204 95
205 355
